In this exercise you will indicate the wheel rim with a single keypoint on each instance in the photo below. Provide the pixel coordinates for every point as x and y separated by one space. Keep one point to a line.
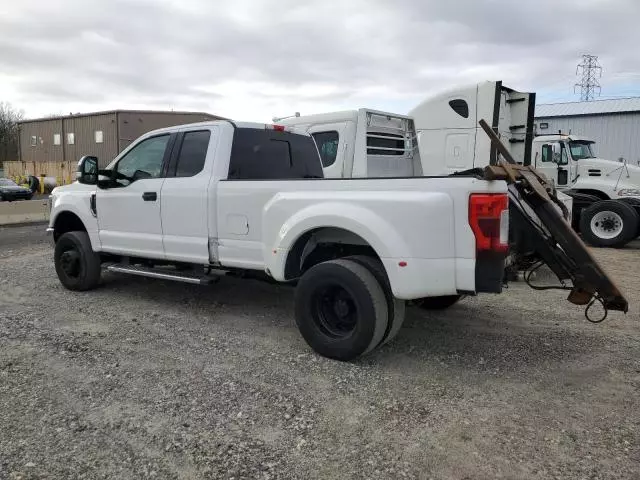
70 263
335 312
607 225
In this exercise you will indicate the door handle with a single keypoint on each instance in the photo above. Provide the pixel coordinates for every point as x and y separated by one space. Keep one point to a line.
149 196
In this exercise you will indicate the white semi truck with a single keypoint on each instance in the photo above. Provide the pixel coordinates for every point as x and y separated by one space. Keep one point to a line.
606 194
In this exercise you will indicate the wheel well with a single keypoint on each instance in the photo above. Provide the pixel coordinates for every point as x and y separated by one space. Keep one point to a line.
595 193
67 222
322 244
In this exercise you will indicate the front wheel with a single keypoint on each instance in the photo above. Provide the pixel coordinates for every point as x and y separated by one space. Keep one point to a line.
609 223
341 309
77 265
437 303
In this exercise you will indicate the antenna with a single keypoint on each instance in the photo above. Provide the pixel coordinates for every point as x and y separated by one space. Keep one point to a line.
591 72
277 119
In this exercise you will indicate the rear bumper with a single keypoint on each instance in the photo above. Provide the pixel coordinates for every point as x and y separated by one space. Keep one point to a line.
420 277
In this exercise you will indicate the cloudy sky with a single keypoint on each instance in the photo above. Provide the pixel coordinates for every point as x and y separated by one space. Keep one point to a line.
253 59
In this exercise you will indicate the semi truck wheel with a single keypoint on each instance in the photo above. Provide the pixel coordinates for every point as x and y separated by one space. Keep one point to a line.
77 265
437 303
609 223
396 307
341 309
635 204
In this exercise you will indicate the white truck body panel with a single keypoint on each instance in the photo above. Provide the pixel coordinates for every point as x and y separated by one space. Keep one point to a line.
450 137
207 219
273 215
357 129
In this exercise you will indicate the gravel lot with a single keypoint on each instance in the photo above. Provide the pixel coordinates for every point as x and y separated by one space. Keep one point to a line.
150 379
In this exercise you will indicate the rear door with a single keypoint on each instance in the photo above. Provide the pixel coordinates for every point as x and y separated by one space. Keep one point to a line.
128 210
184 202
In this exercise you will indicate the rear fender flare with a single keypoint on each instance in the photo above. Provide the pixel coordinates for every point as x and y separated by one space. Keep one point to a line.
361 221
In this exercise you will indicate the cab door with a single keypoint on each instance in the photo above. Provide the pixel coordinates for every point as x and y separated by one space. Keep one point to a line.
547 160
185 202
128 205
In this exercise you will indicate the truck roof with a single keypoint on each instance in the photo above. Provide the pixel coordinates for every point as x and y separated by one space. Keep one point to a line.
211 123
562 136
338 116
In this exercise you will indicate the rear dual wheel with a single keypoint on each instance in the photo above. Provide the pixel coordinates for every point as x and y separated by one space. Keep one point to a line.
342 309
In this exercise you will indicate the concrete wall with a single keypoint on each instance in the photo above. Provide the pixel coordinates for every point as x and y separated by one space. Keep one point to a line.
616 135
24 211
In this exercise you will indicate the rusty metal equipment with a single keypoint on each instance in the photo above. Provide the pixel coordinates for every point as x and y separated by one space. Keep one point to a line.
537 220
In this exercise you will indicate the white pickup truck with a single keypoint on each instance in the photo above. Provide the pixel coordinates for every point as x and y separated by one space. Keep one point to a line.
191 202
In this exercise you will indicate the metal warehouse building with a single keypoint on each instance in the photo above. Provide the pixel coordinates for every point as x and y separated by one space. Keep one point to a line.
613 124
103 134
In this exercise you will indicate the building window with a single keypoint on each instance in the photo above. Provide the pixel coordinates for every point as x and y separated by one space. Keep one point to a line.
544 125
98 136
56 139
34 140
71 138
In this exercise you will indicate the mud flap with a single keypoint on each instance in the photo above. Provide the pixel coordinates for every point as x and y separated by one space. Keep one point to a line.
540 229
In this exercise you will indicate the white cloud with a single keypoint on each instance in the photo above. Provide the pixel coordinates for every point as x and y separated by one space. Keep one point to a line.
252 59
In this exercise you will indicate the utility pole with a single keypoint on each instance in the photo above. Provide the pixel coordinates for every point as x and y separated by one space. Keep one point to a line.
591 72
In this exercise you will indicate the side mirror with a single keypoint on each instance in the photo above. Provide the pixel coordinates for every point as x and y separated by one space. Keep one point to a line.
556 156
87 171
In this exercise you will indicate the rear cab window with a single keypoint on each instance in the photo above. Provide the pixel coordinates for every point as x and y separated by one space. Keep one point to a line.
273 155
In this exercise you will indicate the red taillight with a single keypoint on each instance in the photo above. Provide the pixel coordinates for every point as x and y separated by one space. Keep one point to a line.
279 128
489 220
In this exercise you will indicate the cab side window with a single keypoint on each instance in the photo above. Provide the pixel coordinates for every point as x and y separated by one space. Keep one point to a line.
547 153
143 161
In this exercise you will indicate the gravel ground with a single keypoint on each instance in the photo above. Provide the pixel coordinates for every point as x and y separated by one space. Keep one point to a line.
150 379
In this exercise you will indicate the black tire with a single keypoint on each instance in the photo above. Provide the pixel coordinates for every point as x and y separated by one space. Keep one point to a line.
341 310
77 265
635 204
437 303
615 217
396 307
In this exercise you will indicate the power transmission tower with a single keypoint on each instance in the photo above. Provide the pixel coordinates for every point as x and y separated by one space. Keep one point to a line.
591 72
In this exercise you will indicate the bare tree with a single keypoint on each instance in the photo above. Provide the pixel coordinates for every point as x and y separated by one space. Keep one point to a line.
9 131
